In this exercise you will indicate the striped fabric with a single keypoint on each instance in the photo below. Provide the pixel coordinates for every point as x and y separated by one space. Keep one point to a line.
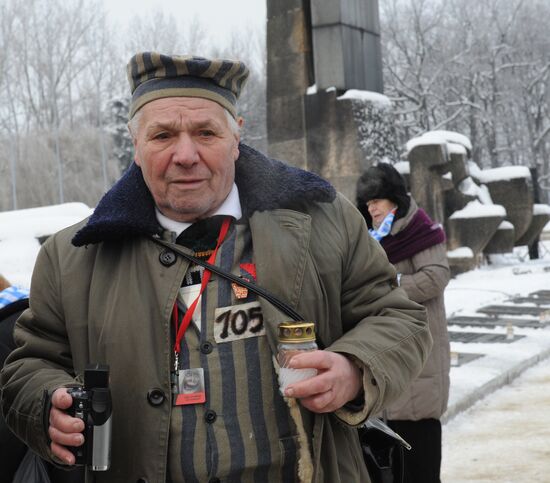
12 294
153 76
251 438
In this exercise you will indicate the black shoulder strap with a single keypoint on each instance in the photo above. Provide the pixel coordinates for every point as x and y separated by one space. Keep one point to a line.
282 306
13 307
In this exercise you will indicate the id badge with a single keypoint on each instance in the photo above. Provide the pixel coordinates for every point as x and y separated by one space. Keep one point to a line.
190 387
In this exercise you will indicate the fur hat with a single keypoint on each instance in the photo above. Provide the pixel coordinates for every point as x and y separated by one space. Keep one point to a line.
379 182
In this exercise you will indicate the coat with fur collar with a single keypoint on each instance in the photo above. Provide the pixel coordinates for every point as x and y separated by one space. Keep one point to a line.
98 285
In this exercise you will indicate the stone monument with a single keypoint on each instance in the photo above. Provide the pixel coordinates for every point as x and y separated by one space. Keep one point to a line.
323 58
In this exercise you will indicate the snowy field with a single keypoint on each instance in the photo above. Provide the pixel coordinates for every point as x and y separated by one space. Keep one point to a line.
509 276
503 438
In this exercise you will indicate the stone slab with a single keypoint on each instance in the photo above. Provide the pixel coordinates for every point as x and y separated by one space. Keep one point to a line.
460 358
496 322
511 310
360 14
479 337
532 300
516 195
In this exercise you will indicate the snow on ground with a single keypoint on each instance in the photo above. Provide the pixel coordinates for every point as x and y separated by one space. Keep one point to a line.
19 233
498 282
504 437
495 284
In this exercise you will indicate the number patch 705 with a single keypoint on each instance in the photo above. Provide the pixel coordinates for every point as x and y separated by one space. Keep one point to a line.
238 322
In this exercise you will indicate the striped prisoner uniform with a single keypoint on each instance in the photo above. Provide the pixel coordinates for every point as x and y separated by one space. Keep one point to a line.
243 433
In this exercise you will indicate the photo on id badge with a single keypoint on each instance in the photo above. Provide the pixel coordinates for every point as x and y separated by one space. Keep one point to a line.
190 387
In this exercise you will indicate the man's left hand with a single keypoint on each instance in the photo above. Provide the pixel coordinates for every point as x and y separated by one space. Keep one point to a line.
337 382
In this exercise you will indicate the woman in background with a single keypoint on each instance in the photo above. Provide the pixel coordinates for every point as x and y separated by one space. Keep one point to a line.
416 246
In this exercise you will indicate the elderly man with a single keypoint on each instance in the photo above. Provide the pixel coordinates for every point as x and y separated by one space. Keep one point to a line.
114 290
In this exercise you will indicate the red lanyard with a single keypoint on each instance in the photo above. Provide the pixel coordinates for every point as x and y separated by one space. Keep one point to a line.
205 278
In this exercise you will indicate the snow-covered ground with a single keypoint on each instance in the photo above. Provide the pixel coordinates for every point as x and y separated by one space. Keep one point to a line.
20 231
495 284
503 438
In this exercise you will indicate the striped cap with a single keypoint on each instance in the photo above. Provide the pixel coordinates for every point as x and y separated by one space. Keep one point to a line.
154 76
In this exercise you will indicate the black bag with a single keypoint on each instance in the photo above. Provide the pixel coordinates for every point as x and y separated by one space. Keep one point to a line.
383 451
31 470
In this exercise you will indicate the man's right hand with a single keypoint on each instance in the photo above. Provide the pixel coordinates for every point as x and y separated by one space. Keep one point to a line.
64 430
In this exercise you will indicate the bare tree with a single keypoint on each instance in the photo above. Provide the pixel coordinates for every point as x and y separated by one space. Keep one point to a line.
48 85
249 46
479 68
64 95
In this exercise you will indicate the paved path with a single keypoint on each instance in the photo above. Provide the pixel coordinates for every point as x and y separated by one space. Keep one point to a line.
505 437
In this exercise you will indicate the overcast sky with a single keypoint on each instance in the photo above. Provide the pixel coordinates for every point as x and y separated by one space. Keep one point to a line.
223 16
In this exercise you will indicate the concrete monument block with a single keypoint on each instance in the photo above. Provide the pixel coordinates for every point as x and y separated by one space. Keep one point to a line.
428 163
502 241
404 169
293 109
288 33
541 216
347 134
289 73
356 13
332 141
461 260
459 167
455 200
281 7
309 124
474 233
346 44
291 85
514 193
473 226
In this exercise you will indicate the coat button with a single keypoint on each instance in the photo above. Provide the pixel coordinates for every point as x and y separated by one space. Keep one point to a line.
167 258
206 347
156 396
210 416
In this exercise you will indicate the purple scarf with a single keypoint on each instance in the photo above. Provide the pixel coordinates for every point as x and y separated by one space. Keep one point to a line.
419 234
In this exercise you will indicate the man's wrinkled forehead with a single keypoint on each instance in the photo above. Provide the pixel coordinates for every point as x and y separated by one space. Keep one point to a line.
179 112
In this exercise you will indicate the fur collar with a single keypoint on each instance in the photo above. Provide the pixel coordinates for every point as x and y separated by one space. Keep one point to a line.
128 209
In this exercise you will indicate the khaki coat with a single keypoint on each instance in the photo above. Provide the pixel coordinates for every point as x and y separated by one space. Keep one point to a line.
111 301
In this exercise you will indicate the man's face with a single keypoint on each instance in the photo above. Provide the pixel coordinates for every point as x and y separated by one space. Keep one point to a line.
191 379
187 152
